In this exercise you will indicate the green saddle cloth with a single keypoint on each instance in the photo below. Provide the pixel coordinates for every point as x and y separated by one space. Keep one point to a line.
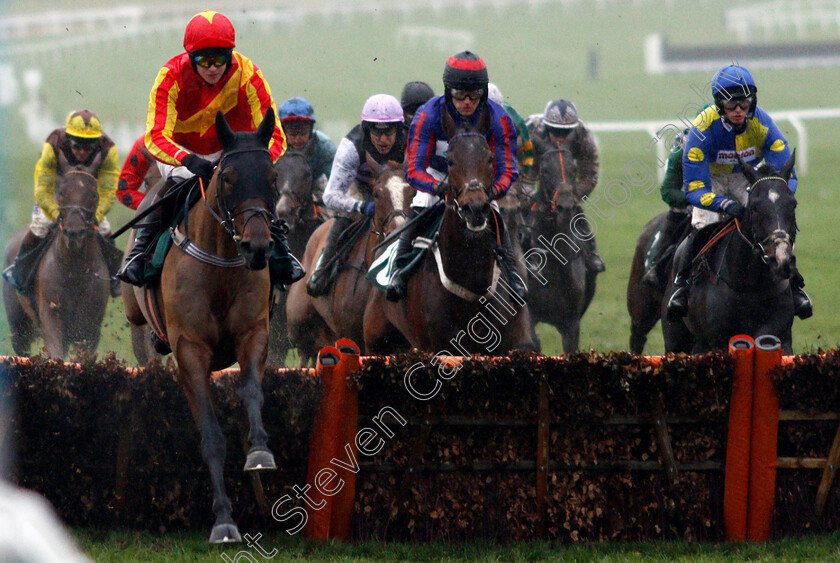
154 266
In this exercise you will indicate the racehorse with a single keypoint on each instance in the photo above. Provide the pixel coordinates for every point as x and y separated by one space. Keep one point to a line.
742 283
644 300
71 282
475 311
560 288
213 295
298 208
318 322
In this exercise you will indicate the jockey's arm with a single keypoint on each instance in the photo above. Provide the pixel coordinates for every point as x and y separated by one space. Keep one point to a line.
697 179
588 163
132 175
109 173
421 141
672 186
777 152
45 176
503 144
325 151
343 173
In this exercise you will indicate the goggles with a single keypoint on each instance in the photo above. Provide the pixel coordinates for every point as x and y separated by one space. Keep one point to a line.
85 145
557 132
383 131
207 61
297 129
461 95
743 103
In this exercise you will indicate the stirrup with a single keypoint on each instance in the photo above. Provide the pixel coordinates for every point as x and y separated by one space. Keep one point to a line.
803 308
132 273
677 305
11 279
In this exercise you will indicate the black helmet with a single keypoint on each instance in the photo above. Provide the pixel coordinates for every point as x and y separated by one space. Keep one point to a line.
415 94
465 71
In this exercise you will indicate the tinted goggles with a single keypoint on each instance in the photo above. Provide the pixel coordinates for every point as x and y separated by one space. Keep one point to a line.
743 103
383 131
85 145
462 95
207 61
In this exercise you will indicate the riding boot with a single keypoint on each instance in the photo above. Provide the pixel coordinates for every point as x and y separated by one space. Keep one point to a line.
319 281
802 306
507 261
399 278
668 238
18 274
285 268
134 267
678 303
594 263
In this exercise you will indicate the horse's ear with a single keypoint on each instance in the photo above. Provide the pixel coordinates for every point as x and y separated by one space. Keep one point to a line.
787 169
223 131
374 166
747 169
266 129
97 160
484 120
448 123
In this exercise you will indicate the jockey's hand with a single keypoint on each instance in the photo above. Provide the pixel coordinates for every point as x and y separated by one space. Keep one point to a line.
734 209
369 208
440 189
199 166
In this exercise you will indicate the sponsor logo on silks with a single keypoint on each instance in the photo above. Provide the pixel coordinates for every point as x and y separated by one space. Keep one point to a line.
730 157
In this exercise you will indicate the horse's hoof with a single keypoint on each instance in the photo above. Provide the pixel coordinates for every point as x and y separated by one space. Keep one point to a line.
225 533
260 460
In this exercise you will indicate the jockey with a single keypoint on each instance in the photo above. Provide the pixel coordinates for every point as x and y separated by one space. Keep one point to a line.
524 146
382 135
713 181
465 98
81 142
180 125
414 95
134 180
559 125
298 119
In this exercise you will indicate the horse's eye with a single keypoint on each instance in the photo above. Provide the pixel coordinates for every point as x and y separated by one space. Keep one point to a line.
449 162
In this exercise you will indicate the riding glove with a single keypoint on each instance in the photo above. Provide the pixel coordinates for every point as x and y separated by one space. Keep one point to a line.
734 209
366 207
199 166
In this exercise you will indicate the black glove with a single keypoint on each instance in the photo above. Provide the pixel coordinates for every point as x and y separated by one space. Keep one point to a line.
734 209
440 189
199 166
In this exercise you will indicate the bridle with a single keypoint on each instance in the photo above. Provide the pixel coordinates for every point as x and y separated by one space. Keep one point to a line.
227 216
455 192
88 215
778 236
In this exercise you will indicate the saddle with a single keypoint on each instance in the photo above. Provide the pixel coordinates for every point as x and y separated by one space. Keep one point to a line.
380 271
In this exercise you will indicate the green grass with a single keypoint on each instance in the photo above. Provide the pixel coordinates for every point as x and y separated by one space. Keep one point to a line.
534 53
178 548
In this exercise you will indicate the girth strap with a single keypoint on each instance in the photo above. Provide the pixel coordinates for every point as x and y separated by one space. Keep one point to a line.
191 249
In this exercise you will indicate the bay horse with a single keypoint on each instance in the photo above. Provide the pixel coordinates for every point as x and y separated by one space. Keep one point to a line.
71 282
484 317
560 287
303 214
644 300
213 299
315 322
742 283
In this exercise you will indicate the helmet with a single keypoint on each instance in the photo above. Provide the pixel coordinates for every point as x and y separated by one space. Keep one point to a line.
560 114
465 71
494 93
733 81
297 109
83 124
415 94
209 30
382 108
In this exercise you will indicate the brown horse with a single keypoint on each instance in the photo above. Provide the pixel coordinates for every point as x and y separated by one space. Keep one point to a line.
213 298
561 289
478 312
318 322
71 282
298 208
